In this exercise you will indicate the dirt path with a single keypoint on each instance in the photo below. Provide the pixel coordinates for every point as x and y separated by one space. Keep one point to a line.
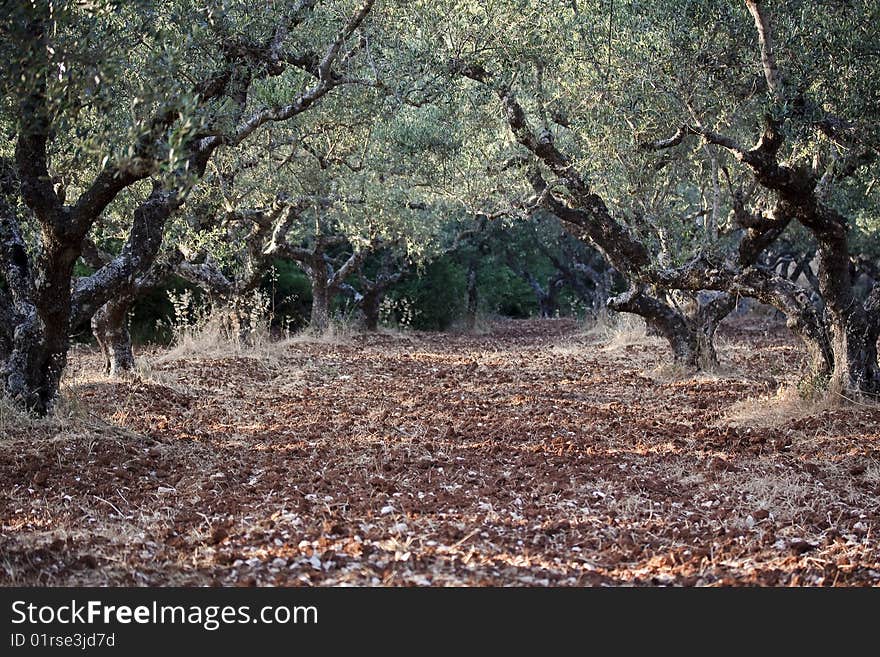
532 455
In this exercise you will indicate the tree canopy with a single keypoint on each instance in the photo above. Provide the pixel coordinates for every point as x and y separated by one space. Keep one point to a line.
707 151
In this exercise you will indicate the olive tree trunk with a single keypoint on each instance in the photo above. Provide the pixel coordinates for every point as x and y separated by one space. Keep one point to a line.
370 305
110 328
691 335
472 298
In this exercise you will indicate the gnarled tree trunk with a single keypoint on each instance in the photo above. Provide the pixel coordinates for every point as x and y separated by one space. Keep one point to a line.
691 336
853 325
707 317
326 281
41 310
854 344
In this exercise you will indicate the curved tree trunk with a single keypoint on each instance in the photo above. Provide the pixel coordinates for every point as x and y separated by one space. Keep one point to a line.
110 328
691 336
708 316
38 350
802 315
853 330
663 320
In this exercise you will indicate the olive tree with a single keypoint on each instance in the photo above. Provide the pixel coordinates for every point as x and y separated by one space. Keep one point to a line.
108 100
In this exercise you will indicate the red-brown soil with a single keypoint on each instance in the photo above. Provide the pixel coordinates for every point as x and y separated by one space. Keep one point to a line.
533 454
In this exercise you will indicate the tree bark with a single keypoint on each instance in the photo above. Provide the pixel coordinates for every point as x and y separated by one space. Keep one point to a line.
663 320
321 294
110 328
855 371
40 343
472 297
708 316
372 300
691 336
7 323
853 329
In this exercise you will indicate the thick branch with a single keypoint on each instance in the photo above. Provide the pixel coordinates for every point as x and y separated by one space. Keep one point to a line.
32 159
136 257
348 268
205 274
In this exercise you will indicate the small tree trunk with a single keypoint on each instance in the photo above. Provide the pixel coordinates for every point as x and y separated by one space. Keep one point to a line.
547 305
708 316
110 328
320 316
472 298
370 304
551 303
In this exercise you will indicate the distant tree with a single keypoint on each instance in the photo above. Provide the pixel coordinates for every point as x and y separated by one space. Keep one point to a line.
387 267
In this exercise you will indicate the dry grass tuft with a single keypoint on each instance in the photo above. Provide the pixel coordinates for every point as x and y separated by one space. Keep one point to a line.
13 418
776 409
621 330
213 338
339 332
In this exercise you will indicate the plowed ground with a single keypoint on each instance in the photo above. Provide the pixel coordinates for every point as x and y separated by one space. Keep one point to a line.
533 454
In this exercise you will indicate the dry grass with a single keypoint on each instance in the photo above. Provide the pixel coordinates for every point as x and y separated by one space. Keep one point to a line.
66 416
13 418
212 339
339 332
776 409
622 330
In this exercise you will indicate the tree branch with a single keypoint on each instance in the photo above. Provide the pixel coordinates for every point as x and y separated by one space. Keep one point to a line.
309 97
136 257
348 268
768 57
